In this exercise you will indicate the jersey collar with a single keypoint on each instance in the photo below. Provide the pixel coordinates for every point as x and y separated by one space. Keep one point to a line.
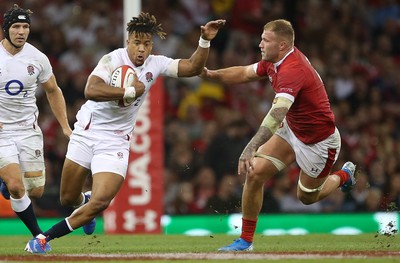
277 64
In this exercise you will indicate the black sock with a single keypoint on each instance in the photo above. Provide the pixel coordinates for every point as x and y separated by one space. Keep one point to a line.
86 199
28 217
58 230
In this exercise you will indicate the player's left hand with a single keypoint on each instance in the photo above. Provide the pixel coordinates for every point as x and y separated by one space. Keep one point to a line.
210 30
245 162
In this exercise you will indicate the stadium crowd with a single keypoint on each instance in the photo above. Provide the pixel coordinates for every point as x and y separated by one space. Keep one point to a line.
354 45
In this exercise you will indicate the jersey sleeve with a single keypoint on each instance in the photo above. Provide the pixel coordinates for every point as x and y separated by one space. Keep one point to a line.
261 68
164 64
290 81
47 70
104 68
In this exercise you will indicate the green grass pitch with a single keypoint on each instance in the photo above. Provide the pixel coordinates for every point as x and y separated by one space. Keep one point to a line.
179 248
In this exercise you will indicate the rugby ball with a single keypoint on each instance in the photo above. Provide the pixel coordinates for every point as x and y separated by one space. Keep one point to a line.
120 78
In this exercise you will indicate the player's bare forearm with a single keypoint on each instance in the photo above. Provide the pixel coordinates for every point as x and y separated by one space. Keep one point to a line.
245 161
58 107
231 75
262 136
194 65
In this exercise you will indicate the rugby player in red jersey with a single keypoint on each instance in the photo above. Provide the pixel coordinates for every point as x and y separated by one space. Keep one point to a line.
299 127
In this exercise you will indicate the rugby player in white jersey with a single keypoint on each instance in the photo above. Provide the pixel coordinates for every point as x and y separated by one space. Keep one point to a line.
100 141
22 69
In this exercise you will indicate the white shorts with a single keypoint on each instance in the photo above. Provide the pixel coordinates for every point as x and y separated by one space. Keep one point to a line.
24 147
316 160
99 152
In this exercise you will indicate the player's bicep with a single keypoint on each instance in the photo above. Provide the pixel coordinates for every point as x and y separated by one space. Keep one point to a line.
50 85
92 84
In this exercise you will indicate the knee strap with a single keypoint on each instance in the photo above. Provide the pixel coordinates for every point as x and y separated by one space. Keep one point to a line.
276 162
307 190
34 182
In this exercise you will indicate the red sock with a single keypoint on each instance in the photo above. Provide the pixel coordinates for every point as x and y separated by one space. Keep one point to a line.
343 176
248 229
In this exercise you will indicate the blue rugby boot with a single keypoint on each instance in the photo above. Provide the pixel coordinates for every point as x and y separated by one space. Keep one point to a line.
91 226
38 245
237 245
4 190
350 169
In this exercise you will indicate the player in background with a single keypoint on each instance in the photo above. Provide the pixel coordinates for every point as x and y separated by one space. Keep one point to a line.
300 126
100 141
22 68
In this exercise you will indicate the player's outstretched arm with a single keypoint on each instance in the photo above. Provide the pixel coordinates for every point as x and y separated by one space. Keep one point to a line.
231 75
194 65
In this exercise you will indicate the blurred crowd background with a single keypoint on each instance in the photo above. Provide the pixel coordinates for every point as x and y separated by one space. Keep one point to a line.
353 44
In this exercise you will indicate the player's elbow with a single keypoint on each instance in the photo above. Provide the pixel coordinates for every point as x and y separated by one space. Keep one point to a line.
190 67
190 72
90 92
196 70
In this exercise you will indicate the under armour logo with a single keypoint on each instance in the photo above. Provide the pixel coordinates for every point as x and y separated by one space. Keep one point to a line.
149 220
314 170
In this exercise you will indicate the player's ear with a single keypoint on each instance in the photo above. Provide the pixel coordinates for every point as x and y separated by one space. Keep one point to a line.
283 45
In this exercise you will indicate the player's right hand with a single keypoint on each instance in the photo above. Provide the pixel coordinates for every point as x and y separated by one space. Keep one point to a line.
139 86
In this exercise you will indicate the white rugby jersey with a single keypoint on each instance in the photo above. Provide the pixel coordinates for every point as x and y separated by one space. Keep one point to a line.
109 117
20 75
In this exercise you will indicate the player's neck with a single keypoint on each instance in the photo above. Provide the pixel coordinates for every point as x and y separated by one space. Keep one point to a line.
9 47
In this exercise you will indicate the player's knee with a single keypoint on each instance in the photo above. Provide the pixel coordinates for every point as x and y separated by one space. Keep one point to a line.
256 176
306 198
16 188
67 199
99 205
34 183
36 192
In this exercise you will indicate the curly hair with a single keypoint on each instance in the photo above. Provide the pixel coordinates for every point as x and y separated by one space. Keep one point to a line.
145 24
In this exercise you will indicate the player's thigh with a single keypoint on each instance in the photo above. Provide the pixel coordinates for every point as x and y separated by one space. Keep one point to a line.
111 156
8 155
76 166
109 166
11 174
105 186
30 149
277 148
9 161
73 178
316 160
17 154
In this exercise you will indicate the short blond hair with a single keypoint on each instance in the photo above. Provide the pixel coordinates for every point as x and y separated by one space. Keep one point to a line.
282 28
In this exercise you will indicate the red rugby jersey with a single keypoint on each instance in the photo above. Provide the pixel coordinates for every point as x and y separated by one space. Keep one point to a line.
310 117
